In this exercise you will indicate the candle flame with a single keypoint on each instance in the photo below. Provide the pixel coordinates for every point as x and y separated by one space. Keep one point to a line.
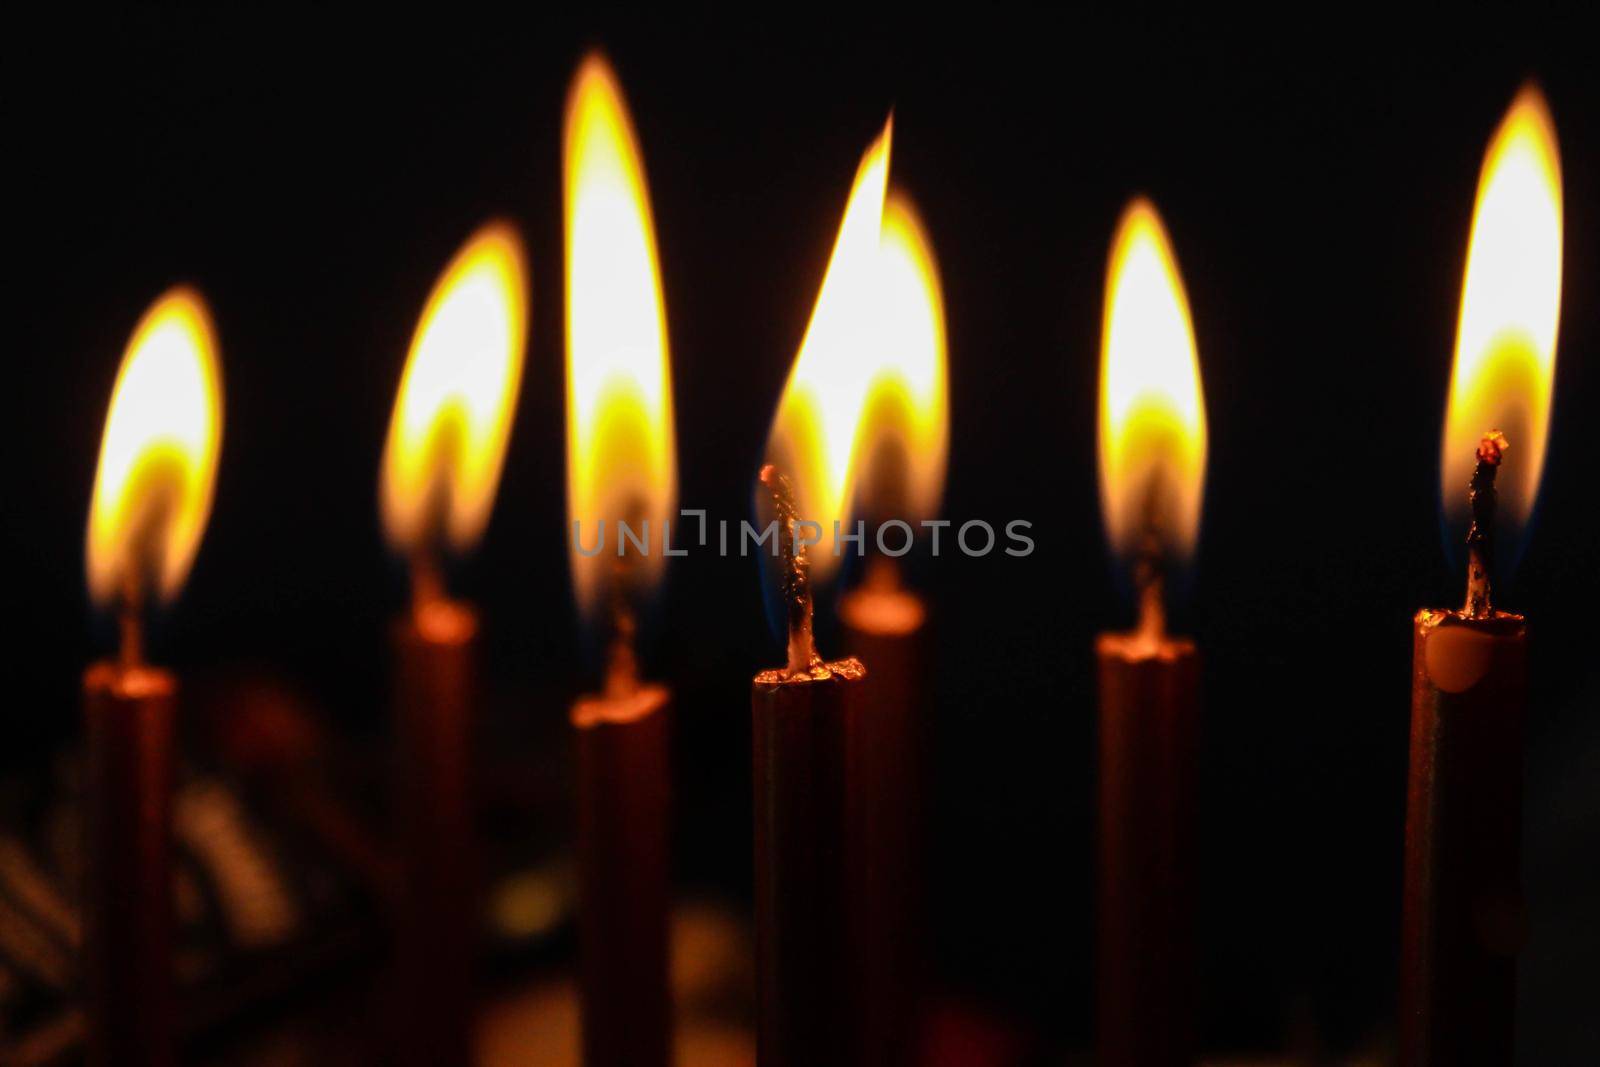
452 415
1152 412
1505 355
904 434
158 457
815 431
621 465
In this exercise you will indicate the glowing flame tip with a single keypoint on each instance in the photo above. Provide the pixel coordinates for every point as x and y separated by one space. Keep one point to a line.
158 456
1504 366
1152 433
452 414
621 463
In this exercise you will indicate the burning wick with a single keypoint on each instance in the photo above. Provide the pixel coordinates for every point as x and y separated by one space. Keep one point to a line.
142 565
1481 496
130 651
1149 576
427 584
622 661
883 576
435 615
432 609
803 658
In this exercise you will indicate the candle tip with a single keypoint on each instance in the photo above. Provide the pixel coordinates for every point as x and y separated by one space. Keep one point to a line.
796 581
1149 577
1150 567
427 582
1492 447
622 665
1481 496
130 623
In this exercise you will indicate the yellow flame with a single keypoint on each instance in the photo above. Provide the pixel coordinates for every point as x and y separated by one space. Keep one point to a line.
814 432
1152 412
904 432
452 415
158 458
621 463
1505 355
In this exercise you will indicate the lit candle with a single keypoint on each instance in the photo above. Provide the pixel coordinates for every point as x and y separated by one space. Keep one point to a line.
152 496
1152 444
899 460
620 470
819 780
1461 926
441 465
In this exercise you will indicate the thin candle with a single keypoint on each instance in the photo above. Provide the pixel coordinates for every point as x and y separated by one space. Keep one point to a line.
820 796
805 718
1461 919
152 497
900 455
620 471
1152 434
441 466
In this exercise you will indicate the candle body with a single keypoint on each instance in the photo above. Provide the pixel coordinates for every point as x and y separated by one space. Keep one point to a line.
801 750
1461 917
886 628
129 718
624 822
435 697
1149 741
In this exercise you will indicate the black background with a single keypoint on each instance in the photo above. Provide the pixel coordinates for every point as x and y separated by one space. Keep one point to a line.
312 179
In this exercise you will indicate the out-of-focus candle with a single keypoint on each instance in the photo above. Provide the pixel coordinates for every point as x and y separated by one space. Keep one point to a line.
1152 435
152 497
620 469
441 467
899 461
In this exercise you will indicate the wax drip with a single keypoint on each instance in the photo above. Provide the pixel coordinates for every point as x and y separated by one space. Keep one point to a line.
796 581
1482 497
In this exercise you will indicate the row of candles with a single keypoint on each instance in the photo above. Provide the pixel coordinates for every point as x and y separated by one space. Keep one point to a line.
861 429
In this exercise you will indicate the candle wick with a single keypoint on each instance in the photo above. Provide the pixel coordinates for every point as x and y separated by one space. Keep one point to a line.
427 582
142 567
622 663
1149 569
130 649
1150 579
427 575
622 660
883 575
1482 497
796 582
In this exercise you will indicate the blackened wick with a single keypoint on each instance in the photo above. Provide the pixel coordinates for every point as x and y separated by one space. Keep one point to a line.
1481 495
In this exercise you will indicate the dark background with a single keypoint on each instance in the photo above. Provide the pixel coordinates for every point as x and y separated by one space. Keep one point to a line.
312 179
